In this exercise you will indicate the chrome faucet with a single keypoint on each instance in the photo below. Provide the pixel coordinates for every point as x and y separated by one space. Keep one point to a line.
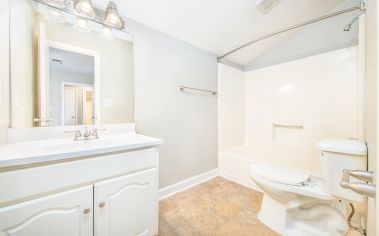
86 135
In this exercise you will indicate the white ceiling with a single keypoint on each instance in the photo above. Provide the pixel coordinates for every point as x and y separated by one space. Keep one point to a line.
324 36
220 25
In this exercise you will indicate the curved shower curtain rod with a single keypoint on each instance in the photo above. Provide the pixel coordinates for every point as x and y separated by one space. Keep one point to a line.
361 6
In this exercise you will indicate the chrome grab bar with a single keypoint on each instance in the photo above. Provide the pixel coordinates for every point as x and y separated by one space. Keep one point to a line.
287 126
181 88
359 187
367 176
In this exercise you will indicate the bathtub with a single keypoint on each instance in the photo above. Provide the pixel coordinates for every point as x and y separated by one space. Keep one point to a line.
235 163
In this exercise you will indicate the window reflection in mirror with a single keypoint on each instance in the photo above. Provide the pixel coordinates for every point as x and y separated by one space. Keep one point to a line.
64 75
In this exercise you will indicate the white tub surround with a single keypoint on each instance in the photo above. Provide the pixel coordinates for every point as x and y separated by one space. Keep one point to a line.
288 108
96 187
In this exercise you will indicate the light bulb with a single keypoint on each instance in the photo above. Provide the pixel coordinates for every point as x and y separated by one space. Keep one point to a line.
54 15
112 18
81 25
107 33
85 9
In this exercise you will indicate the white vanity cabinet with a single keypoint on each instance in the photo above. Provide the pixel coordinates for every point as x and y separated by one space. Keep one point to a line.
62 214
110 194
126 205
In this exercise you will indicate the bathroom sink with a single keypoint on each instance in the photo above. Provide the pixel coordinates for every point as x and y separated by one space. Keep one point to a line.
31 152
83 144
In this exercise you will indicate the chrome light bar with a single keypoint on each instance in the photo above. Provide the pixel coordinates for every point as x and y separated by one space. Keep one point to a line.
69 7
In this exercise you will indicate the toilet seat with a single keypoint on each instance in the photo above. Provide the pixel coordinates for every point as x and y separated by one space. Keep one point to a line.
289 180
283 175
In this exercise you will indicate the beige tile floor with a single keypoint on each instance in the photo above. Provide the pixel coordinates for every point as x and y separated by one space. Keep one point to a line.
217 207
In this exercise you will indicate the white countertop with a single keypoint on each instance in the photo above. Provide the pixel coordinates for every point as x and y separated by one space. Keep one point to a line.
32 152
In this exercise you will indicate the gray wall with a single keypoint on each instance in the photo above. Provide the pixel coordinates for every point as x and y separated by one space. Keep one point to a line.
186 122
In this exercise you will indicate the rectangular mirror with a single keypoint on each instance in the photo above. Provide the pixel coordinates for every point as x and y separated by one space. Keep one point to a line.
66 70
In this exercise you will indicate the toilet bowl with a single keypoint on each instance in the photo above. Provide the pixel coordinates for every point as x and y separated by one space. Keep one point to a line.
295 202
291 198
288 185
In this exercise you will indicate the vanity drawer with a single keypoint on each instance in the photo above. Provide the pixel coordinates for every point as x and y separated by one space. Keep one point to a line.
23 184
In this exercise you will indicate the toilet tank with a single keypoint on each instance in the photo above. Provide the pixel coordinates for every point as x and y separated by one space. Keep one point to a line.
337 155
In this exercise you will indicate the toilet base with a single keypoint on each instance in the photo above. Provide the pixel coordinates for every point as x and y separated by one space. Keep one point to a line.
273 214
312 218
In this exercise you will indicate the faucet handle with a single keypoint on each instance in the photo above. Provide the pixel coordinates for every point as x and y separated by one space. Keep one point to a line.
77 135
95 132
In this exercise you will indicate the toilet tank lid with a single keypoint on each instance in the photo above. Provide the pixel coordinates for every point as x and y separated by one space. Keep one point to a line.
347 146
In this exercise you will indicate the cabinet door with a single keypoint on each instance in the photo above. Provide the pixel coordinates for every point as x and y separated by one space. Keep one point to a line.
68 213
127 205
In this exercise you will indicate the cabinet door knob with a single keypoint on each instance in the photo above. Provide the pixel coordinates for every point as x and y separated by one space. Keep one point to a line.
87 210
102 204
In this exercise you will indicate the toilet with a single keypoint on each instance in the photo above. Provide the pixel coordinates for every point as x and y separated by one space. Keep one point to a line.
296 202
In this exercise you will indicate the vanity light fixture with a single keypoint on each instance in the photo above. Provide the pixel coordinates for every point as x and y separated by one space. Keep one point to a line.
107 33
54 15
85 9
81 25
112 18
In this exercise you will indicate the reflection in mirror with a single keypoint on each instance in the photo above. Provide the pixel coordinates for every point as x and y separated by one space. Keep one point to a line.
74 73
66 70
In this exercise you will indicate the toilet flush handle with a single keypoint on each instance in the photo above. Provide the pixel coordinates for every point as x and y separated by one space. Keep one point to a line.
359 187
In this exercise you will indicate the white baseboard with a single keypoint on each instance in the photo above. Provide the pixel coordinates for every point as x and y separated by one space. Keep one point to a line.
252 186
187 183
